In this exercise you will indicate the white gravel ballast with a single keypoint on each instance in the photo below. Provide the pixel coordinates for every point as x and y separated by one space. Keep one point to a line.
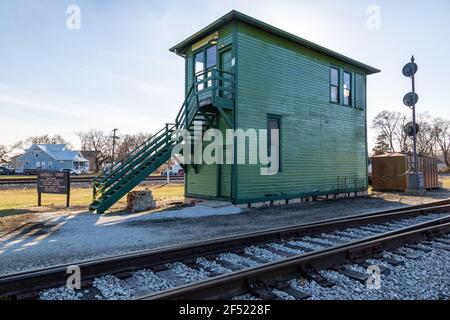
427 278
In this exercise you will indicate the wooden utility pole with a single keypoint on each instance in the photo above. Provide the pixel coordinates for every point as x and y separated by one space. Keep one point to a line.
115 138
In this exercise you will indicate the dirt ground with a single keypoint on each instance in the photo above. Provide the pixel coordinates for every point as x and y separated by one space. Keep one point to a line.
29 241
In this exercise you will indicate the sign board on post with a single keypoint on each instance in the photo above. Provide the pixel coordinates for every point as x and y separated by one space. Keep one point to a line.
55 183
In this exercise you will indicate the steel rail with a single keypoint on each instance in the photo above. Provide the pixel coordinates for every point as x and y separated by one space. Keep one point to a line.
25 284
237 283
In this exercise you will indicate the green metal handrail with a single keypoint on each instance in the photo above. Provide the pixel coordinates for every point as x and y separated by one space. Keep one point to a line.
213 81
126 159
215 77
142 155
132 163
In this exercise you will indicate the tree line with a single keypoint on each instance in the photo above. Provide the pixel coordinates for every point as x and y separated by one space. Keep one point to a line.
102 144
433 138
97 141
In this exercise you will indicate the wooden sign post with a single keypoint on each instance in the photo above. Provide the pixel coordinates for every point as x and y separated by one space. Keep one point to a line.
55 183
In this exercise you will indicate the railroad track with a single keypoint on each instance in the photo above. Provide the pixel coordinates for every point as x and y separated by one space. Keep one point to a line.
251 264
76 179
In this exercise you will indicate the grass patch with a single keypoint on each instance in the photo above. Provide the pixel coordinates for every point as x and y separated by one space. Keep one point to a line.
445 182
25 200
15 176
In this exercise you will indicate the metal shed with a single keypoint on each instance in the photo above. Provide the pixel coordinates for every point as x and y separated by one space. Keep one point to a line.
390 171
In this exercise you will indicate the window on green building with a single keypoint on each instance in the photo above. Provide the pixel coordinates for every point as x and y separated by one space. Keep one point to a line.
347 88
211 62
334 85
211 57
199 68
205 61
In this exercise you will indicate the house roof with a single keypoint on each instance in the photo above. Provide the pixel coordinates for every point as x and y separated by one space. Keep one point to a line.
59 152
234 15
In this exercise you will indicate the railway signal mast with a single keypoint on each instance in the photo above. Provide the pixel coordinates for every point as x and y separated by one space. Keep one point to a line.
415 178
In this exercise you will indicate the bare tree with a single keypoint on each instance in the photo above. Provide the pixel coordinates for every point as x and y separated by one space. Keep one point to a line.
129 142
44 139
425 136
3 151
386 123
401 138
96 140
441 132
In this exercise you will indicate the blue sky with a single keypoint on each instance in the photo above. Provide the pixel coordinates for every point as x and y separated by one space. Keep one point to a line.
116 71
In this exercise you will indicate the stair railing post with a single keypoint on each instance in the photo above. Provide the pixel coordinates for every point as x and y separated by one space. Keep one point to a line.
167 132
214 82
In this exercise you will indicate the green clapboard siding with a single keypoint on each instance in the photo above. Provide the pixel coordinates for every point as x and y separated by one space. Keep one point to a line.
322 144
320 141
204 182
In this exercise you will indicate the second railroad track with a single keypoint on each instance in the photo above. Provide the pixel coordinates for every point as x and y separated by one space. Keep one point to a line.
254 264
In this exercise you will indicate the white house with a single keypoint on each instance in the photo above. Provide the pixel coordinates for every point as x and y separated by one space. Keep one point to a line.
51 157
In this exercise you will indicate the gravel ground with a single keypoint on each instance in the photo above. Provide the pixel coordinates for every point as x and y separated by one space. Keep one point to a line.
188 274
425 279
61 293
236 260
286 249
264 254
212 266
111 288
60 237
152 280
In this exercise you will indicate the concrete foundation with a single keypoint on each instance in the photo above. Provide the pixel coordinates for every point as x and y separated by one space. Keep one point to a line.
207 203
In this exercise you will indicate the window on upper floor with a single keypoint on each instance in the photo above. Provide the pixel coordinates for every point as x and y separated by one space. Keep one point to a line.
211 57
334 85
211 62
205 60
199 59
347 93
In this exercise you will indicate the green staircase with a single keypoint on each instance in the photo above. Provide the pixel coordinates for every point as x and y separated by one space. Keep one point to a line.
203 102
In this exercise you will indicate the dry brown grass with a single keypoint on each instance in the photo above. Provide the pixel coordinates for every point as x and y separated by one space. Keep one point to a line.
445 182
19 201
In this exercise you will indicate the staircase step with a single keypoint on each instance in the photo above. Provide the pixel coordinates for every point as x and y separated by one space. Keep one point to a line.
127 177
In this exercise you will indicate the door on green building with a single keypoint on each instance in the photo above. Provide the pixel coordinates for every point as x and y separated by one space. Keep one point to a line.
225 64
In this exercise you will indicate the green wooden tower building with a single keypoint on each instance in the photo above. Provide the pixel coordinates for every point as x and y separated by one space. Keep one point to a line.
241 73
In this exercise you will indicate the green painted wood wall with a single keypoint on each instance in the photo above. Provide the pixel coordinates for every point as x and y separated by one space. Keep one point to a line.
205 181
320 141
